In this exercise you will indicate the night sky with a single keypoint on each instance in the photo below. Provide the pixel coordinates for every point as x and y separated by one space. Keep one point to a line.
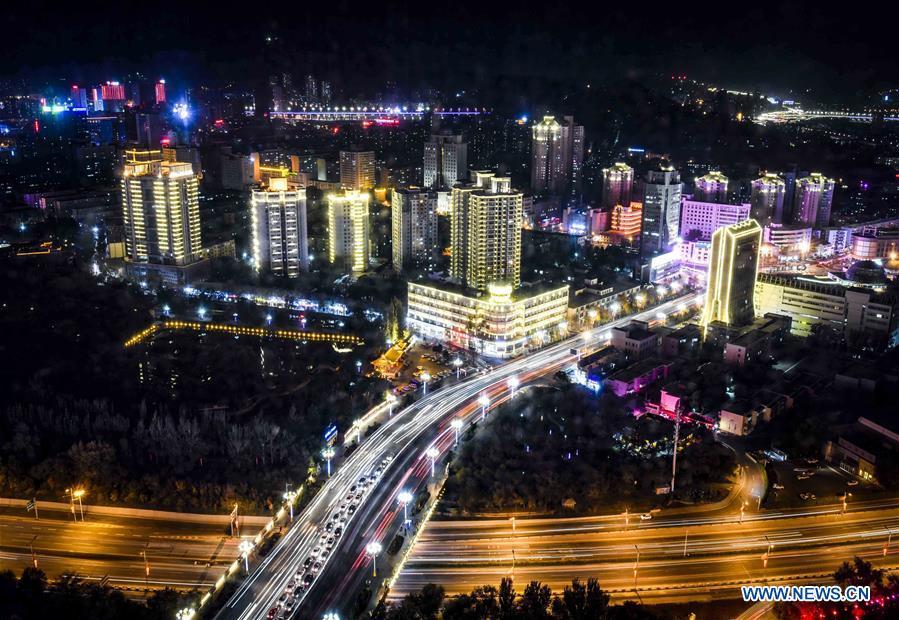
450 44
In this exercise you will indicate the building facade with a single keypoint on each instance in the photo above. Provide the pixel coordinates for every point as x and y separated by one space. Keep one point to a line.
813 200
707 217
413 228
445 161
711 187
767 199
557 156
160 209
357 170
349 229
733 264
279 227
661 210
617 185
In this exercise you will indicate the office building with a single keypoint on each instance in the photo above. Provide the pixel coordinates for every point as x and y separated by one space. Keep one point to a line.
357 170
733 264
349 230
617 185
813 200
767 199
311 89
279 229
499 323
325 92
557 156
711 187
486 232
626 221
414 228
235 171
445 161
160 209
700 219
661 210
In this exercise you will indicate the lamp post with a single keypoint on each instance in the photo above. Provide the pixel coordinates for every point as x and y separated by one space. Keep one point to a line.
373 549
513 383
76 494
636 565
767 553
185 614
331 615
146 567
404 498
290 497
742 509
391 401
432 454
484 402
886 547
458 364
245 548
456 425
425 377
328 453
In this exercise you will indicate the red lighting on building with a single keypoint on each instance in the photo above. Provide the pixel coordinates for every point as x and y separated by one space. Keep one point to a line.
160 92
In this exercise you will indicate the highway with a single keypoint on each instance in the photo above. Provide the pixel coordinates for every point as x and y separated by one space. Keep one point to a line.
405 437
184 554
681 557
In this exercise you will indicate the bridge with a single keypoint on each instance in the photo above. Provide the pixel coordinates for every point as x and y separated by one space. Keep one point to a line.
240 330
797 115
378 116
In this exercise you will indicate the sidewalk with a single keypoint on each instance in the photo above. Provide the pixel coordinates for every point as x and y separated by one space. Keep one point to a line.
134 513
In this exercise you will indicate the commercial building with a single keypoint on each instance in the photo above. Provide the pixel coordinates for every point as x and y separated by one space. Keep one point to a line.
279 229
864 317
357 170
348 230
866 449
661 210
711 187
413 227
557 156
813 200
882 244
733 264
757 344
486 232
637 376
767 199
707 217
635 340
789 239
445 161
627 221
160 209
236 171
617 185
500 323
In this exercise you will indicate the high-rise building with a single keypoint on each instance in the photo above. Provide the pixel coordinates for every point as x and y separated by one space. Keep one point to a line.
733 264
617 185
767 199
626 221
160 208
325 92
486 232
348 230
279 228
700 219
160 92
445 161
311 89
557 156
813 200
357 170
79 97
711 187
661 210
413 227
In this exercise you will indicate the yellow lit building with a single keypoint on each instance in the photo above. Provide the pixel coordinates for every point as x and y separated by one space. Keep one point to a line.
357 170
348 230
279 229
627 221
499 323
733 264
160 208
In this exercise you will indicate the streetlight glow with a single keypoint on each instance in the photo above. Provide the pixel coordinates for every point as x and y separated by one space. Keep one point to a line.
513 383
425 377
246 548
484 402
456 425
328 454
404 498
432 453
373 549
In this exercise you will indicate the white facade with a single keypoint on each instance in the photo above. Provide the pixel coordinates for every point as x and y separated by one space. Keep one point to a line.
707 217
661 210
357 170
413 227
445 161
279 229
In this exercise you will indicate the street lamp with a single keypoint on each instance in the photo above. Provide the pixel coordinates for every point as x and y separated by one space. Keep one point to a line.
742 509
246 548
331 615
290 497
432 454
404 498
513 383
458 364
425 377
636 565
76 494
391 401
328 454
185 614
201 312
484 402
373 549
456 425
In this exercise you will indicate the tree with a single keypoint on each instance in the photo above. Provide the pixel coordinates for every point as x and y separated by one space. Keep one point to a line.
581 601
535 600
506 599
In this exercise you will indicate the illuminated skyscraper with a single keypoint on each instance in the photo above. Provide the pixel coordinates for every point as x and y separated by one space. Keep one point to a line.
311 89
160 209
357 170
767 199
712 188
661 210
160 92
486 232
557 155
445 161
348 230
617 185
813 200
414 227
278 217
733 264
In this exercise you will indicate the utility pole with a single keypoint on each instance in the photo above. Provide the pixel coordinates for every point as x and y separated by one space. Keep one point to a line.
686 532
767 553
636 566
33 556
886 547
146 567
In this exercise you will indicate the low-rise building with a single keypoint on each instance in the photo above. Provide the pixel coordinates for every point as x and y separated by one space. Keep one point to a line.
756 344
499 323
636 377
866 449
737 418
635 340
685 340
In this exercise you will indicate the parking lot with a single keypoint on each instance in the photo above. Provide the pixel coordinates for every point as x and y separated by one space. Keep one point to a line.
435 362
810 482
